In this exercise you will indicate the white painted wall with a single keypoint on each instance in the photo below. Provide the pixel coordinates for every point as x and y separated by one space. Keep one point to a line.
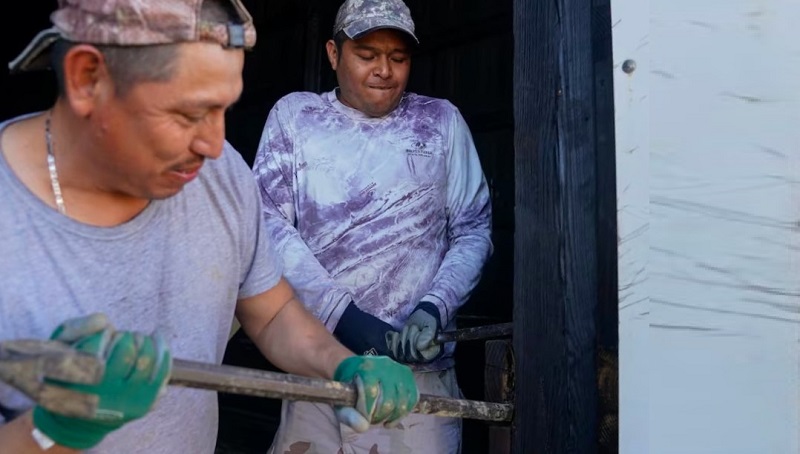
708 163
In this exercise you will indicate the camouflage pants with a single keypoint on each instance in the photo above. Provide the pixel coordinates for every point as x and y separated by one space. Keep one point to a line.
310 428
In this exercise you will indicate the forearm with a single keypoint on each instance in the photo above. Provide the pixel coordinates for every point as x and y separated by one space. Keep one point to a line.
16 437
273 168
458 275
298 343
469 224
315 287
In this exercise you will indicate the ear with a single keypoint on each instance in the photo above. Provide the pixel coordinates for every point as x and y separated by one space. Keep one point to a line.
85 78
333 54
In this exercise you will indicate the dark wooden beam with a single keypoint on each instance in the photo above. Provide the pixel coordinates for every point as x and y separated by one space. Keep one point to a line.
555 273
607 313
499 387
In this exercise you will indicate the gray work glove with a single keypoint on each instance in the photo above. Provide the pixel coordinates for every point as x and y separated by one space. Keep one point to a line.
416 343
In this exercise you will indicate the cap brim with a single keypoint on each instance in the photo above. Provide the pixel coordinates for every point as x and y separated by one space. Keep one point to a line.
36 55
357 30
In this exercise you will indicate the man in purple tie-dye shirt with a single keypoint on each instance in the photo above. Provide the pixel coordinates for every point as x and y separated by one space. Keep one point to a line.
377 202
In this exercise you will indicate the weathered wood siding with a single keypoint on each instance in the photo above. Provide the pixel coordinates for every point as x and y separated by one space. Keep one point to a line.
707 170
556 253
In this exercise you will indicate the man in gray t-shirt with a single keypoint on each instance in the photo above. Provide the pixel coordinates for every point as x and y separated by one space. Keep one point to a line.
124 199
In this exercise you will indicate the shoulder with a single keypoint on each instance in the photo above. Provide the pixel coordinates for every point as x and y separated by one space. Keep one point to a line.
230 162
299 101
228 177
416 104
292 111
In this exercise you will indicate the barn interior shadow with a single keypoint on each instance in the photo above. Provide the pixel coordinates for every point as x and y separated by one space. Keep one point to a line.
465 56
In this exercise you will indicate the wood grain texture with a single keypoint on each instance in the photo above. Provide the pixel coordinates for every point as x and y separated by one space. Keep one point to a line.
499 371
555 247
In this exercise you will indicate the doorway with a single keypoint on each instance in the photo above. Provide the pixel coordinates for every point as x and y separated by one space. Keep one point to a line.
466 57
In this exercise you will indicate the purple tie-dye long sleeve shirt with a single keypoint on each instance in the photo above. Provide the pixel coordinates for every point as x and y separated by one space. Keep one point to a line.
386 212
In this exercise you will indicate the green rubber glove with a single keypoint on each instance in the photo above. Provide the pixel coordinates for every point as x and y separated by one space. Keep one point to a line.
136 371
386 391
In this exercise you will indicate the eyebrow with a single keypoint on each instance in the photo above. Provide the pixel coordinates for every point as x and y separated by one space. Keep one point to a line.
400 50
207 104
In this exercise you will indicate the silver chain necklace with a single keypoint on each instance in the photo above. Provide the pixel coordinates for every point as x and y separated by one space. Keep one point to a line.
51 166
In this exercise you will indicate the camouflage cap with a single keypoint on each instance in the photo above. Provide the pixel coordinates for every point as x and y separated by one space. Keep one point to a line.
358 17
134 23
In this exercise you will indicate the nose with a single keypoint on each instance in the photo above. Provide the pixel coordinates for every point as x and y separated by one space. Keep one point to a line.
383 68
210 136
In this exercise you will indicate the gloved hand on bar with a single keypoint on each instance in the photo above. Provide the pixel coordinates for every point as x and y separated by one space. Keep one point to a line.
416 343
137 368
386 391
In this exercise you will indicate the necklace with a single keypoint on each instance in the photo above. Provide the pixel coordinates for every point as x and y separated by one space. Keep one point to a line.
51 166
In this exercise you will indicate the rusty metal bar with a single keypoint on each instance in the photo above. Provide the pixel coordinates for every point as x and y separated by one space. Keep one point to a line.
25 363
252 382
476 333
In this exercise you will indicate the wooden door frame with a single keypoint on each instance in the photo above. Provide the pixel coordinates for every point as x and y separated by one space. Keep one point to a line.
564 267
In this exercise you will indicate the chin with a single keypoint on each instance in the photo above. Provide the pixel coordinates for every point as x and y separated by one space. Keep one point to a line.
382 110
163 193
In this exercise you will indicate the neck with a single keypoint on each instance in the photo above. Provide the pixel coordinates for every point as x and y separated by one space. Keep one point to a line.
87 187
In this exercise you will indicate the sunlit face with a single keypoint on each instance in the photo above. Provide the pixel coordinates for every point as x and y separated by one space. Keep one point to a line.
155 139
372 71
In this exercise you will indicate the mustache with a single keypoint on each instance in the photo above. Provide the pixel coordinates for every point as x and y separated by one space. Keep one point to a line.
188 165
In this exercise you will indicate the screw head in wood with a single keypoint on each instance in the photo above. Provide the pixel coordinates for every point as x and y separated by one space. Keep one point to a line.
629 66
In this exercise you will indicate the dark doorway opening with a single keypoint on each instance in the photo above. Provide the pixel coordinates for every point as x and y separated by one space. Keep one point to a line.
466 56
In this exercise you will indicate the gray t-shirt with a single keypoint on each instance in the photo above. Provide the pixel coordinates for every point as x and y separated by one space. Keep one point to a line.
178 267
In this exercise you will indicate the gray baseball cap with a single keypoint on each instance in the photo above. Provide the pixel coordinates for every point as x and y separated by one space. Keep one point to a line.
133 23
359 17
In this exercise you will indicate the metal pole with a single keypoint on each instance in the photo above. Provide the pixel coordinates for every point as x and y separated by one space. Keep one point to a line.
476 333
252 382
